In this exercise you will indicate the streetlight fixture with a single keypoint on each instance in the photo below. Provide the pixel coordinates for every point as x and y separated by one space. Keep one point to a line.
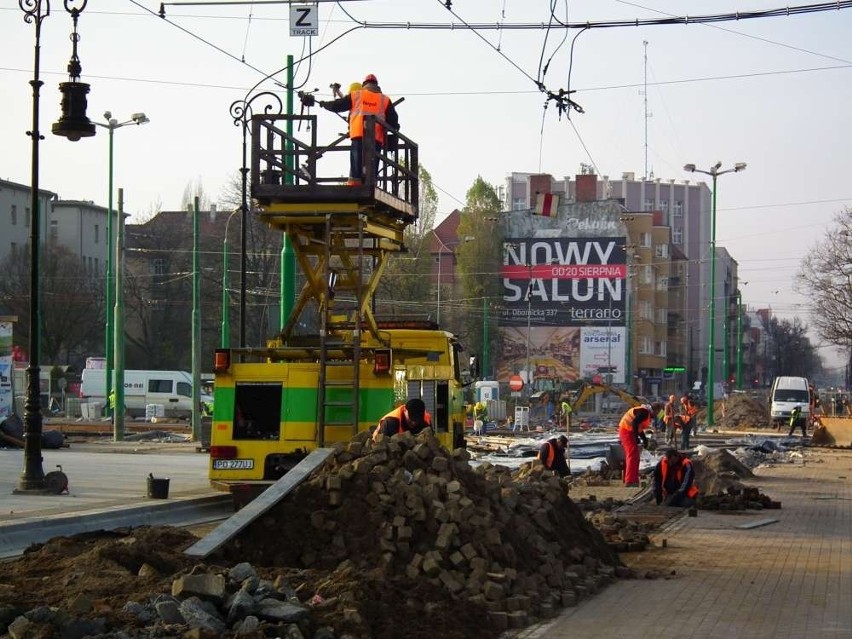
109 337
73 124
714 173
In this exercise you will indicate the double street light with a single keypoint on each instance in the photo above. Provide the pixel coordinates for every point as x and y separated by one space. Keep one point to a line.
109 338
714 173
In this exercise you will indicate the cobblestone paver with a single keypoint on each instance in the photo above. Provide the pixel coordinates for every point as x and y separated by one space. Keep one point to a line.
786 580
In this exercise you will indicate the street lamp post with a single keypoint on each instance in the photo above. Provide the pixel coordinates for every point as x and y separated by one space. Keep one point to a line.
73 124
226 327
739 340
445 250
714 173
109 337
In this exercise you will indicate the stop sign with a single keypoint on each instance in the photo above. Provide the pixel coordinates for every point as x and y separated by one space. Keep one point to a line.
516 383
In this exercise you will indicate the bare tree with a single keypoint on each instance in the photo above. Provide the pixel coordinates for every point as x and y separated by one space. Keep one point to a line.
826 278
72 317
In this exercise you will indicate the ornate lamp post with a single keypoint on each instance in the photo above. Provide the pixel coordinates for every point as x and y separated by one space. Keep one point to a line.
242 112
73 124
714 173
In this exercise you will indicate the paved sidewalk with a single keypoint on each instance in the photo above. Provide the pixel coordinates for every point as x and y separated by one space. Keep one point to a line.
786 580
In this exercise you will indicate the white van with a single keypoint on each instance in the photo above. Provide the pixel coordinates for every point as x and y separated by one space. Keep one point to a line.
170 389
786 394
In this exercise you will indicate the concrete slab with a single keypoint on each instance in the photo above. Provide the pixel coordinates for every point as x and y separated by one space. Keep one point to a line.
255 508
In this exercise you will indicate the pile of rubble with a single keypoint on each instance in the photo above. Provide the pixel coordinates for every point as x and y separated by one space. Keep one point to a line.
718 474
738 412
387 539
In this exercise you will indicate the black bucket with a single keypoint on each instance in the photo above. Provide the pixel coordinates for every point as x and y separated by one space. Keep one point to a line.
158 487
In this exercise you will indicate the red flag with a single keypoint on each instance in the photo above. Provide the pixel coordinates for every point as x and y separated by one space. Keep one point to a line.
545 204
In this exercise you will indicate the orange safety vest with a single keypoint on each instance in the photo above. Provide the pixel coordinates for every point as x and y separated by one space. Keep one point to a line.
367 103
692 492
626 422
396 413
551 455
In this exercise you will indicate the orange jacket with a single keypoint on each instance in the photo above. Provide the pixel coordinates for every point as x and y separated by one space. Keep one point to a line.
682 471
627 420
367 103
394 423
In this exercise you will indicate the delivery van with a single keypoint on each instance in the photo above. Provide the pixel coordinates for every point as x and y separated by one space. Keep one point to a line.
170 389
785 395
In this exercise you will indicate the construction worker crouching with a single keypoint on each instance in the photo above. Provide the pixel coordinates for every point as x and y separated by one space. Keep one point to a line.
674 480
552 455
411 417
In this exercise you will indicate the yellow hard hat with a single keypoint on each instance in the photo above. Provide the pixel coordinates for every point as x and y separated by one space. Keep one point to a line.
355 86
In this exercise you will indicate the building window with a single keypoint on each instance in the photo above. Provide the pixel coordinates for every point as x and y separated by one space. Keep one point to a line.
519 204
97 233
661 250
677 237
645 345
97 265
645 240
678 209
662 283
14 215
158 267
648 205
662 316
27 217
660 348
647 274
54 230
645 311
664 206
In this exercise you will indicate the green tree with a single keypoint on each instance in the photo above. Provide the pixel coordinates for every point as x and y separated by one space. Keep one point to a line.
789 351
479 257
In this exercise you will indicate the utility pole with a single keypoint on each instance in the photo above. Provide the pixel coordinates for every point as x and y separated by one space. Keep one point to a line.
196 328
118 323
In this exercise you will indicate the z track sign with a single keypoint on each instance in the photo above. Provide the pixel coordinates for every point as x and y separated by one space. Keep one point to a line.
304 20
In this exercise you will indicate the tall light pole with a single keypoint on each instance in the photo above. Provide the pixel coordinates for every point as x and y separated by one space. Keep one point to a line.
226 327
73 124
714 173
109 337
739 340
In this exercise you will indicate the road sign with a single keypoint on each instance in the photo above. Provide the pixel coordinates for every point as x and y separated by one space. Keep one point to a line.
304 20
516 383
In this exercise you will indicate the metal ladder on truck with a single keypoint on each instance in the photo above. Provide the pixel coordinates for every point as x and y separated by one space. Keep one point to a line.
342 238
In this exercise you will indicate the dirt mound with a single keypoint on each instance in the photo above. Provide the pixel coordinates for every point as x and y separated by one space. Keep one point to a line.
738 412
387 539
718 471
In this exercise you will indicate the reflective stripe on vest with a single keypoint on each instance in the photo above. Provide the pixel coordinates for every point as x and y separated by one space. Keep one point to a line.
626 422
367 103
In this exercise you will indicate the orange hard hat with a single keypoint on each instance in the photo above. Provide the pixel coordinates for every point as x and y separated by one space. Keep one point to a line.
370 78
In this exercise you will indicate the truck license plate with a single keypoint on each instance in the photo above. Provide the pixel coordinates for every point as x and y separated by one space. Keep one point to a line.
233 464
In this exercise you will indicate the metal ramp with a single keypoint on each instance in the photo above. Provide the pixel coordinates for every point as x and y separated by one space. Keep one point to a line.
266 500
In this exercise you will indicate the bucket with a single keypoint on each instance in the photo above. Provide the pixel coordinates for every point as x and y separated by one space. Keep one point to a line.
158 487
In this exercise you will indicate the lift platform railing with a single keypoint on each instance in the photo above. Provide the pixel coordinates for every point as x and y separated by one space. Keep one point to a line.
295 167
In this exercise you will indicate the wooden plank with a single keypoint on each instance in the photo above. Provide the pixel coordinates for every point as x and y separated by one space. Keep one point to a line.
266 500
757 524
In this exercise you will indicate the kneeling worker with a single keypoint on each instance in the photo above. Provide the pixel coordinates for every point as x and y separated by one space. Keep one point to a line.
412 417
674 480
552 455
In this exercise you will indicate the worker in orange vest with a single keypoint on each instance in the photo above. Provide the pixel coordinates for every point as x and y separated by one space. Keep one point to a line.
631 431
552 455
686 421
412 417
368 100
674 480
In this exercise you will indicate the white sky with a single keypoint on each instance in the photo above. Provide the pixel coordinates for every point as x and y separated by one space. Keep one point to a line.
773 92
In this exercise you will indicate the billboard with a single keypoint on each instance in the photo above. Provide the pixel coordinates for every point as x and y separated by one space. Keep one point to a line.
563 282
602 353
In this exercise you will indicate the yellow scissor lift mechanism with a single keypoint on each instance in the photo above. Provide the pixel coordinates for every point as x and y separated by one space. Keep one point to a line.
337 233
